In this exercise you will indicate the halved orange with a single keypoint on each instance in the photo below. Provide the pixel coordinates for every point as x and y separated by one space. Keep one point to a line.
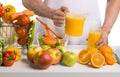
84 56
93 50
110 59
97 60
106 49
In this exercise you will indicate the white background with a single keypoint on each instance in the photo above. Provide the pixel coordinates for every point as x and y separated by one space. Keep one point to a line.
114 37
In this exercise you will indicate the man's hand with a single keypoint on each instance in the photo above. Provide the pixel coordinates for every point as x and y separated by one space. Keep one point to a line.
104 38
111 14
59 16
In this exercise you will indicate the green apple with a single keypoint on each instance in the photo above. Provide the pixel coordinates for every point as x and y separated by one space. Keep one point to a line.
32 51
45 47
69 58
62 49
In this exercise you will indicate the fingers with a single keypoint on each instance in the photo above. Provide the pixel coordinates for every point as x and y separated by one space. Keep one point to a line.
58 23
59 16
55 17
98 46
59 13
102 42
64 9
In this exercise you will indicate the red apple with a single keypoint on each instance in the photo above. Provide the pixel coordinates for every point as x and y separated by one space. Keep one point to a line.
56 55
43 60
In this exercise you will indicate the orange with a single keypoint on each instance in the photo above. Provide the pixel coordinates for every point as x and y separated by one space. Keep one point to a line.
106 49
97 60
110 59
84 57
92 50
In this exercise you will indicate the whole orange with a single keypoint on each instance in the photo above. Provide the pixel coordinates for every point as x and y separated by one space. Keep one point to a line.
106 49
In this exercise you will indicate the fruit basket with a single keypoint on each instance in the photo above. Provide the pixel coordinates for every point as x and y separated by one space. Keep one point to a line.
14 35
8 37
16 28
7 32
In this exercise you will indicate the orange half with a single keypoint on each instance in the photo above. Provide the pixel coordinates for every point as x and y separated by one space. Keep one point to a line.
110 59
97 60
84 57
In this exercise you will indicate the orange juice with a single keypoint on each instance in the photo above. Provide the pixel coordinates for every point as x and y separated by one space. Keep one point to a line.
93 37
74 24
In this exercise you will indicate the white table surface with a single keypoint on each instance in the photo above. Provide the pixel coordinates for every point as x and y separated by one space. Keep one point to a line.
24 68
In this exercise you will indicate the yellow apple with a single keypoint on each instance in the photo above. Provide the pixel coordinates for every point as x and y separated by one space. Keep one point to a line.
32 51
56 55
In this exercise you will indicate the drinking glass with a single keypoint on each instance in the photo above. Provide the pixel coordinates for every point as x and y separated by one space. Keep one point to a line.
93 37
74 24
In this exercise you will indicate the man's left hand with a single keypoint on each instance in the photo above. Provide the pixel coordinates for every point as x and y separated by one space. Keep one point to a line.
104 38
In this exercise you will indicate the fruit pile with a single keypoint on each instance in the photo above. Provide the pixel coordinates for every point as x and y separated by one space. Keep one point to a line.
45 56
14 24
21 24
10 55
97 58
51 50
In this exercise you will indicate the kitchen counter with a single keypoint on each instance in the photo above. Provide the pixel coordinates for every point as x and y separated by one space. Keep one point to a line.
24 69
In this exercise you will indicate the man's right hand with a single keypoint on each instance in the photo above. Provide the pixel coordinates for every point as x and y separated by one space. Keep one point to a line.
59 16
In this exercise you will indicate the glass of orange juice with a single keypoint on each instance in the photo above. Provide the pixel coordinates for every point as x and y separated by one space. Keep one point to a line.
74 24
93 37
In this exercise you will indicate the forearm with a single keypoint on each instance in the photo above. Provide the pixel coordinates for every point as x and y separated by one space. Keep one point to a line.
38 7
111 14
